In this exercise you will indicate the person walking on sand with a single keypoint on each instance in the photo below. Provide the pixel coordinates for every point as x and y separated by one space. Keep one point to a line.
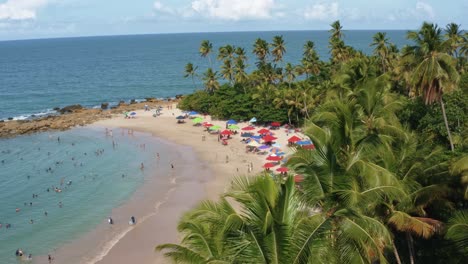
142 166
49 257
110 220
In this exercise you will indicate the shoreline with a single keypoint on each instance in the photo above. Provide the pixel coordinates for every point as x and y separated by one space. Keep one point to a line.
212 175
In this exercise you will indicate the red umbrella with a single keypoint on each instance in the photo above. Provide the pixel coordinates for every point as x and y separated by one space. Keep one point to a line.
206 124
263 131
298 178
268 138
275 124
294 139
282 169
274 158
269 165
226 132
247 128
308 146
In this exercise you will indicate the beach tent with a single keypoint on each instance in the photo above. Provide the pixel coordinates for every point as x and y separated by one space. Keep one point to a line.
248 128
233 127
256 137
269 165
214 127
268 138
275 124
304 142
282 169
226 132
294 139
197 120
263 131
231 122
253 120
132 113
192 113
274 158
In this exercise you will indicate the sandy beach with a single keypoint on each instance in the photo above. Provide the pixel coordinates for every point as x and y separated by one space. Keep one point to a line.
202 170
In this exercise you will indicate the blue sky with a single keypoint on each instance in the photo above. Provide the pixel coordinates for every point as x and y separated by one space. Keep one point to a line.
23 19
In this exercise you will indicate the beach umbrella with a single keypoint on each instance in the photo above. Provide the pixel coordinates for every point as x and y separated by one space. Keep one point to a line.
244 135
276 145
197 120
132 113
256 137
180 117
226 132
275 124
308 147
274 158
248 128
253 143
268 138
231 122
294 139
263 131
192 113
275 150
298 178
304 142
282 169
206 124
214 127
253 120
269 165
234 127
264 147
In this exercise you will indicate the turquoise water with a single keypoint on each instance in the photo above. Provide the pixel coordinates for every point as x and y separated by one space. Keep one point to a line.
38 75
96 186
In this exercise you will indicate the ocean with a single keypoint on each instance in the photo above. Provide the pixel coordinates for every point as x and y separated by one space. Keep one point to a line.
39 75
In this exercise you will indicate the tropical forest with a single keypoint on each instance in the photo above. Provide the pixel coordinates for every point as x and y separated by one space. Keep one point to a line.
387 181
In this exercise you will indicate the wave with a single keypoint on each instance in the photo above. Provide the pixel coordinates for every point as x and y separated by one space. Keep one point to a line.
32 116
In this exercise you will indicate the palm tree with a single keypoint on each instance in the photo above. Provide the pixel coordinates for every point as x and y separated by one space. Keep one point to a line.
261 50
457 231
435 73
210 79
336 31
226 52
279 48
289 71
190 71
205 50
454 44
240 52
381 43
227 71
310 63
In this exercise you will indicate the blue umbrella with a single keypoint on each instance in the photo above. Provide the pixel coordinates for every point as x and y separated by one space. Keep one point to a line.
304 142
193 113
180 117
264 147
132 113
256 137
231 122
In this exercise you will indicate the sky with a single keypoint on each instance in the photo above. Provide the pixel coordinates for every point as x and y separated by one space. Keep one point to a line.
27 19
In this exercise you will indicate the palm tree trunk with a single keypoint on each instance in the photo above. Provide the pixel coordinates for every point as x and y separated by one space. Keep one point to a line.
446 124
409 241
193 81
395 252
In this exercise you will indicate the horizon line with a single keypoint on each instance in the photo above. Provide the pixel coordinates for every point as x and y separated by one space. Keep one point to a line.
194 32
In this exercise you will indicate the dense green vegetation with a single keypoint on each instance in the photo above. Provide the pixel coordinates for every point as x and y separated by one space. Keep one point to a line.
388 179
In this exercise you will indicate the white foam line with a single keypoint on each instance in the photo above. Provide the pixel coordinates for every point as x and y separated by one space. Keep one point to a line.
110 244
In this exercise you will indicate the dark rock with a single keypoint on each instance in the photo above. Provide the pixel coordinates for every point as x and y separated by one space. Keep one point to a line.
71 109
121 102
151 99
56 109
10 118
104 105
1 121
179 96
133 101
114 107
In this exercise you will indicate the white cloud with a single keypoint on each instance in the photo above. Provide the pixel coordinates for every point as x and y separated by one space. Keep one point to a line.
322 11
426 9
20 9
235 9
162 8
